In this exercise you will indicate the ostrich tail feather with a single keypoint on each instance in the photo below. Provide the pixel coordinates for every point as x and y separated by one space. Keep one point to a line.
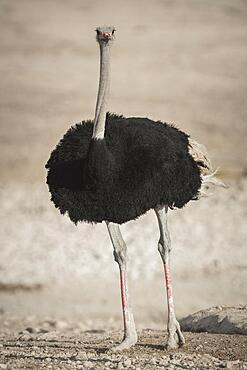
208 175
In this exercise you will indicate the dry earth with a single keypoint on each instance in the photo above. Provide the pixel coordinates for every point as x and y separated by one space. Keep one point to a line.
54 344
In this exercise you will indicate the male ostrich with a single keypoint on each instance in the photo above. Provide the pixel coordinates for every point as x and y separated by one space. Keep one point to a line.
115 169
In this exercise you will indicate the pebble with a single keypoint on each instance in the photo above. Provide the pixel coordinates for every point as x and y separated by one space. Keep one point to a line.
23 332
120 365
83 355
3 366
127 362
231 364
164 362
29 329
220 308
199 347
88 364
25 337
175 362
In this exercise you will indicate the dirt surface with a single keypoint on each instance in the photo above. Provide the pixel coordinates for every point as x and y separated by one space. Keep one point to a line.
53 344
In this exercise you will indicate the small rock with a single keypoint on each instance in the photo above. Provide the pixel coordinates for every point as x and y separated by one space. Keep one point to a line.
199 346
231 364
3 366
83 355
120 365
88 364
175 362
23 332
163 362
29 329
127 362
25 337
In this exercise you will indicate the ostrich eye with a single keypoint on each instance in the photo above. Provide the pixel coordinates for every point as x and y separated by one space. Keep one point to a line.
98 32
113 31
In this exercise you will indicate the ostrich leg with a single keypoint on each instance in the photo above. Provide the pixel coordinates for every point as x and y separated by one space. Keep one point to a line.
120 256
175 336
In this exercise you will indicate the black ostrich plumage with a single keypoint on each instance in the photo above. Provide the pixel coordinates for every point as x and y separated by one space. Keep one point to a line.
139 165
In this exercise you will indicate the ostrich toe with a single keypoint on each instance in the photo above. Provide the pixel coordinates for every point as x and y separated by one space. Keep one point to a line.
175 336
125 344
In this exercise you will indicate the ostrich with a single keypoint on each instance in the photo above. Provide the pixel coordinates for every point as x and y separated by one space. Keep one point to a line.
114 169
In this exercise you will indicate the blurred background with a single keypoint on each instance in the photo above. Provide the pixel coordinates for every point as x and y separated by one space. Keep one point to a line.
182 62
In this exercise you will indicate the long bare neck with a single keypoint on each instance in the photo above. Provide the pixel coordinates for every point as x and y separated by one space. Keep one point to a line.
103 92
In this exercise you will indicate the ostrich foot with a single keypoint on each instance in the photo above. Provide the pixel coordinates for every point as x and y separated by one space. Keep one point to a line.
175 336
126 343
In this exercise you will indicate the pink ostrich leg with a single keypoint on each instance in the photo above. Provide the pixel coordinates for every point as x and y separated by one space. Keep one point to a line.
175 336
168 287
120 255
123 297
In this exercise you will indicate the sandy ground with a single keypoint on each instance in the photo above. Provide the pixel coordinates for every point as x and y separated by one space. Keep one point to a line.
181 62
53 344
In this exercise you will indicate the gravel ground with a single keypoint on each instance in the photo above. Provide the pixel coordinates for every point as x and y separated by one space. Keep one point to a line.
53 344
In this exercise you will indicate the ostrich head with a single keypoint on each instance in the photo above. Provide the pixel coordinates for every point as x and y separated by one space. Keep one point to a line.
105 34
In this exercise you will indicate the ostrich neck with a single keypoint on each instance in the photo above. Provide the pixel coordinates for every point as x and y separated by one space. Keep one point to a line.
103 93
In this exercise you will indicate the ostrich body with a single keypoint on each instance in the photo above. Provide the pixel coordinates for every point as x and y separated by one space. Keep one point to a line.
114 169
